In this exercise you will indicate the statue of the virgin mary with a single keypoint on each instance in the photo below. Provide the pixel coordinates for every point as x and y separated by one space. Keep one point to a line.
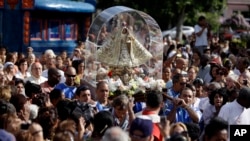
122 49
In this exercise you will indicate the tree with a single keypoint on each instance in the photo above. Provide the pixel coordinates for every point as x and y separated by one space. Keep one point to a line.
169 13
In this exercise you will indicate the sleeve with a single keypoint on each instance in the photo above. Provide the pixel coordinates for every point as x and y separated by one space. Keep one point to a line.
196 29
198 112
207 115
224 112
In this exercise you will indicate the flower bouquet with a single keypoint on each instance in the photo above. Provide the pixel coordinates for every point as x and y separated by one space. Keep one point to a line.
137 87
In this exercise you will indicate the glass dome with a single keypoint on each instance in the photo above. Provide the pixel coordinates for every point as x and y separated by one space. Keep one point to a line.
142 27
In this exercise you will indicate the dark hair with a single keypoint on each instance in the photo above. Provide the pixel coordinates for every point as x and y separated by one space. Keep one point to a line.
228 64
52 71
76 63
9 56
20 62
245 61
31 89
171 47
154 99
55 94
193 130
198 81
215 125
185 89
40 99
18 101
176 78
211 70
81 88
62 109
18 81
6 107
244 93
99 84
103 120
121 102
47 118
191 86
221 92
222 70
204 60
201 18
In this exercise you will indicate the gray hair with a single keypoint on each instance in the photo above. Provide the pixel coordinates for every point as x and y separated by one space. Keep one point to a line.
215 84
115 134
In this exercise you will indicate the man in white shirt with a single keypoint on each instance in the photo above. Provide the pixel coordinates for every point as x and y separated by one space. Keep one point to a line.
36 74
238 111
201 31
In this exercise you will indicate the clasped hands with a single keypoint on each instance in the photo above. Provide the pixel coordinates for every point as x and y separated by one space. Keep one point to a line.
178 102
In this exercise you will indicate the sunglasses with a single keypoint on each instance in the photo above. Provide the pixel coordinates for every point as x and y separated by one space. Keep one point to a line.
68 75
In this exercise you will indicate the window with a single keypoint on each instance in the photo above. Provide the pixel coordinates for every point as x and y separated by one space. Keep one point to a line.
54 30
36 29
70 30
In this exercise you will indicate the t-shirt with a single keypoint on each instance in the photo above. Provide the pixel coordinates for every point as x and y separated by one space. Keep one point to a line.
202 39
68 91
156 129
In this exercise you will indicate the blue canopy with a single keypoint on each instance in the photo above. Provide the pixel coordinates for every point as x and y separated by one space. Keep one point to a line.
65 6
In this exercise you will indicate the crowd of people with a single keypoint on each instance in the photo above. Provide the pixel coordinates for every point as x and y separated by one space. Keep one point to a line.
48 98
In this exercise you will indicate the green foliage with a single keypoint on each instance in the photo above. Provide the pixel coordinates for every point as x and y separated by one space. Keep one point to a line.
168 12
212 19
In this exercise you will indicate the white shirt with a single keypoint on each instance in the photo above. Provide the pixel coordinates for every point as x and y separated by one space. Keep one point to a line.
208 113
38 81
20 75
62 80
234 113
204 102
196 103
202 39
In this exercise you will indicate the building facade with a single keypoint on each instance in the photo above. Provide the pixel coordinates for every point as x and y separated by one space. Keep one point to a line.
43 24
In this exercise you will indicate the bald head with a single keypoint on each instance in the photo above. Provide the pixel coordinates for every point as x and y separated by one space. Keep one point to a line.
244 97
70 75
181 63
36 69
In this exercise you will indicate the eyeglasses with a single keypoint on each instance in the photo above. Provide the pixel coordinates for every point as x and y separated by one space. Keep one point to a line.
68 75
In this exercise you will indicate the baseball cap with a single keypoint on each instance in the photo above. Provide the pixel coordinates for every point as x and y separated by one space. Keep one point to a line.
143 124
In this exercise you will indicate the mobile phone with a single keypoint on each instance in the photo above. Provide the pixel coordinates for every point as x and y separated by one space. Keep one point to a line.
163 120
245 82
25 126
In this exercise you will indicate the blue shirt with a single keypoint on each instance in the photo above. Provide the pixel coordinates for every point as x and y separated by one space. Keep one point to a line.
183 116
68 91
168 103
100 107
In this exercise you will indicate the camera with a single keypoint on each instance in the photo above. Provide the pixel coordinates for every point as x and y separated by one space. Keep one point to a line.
79 109
25 126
